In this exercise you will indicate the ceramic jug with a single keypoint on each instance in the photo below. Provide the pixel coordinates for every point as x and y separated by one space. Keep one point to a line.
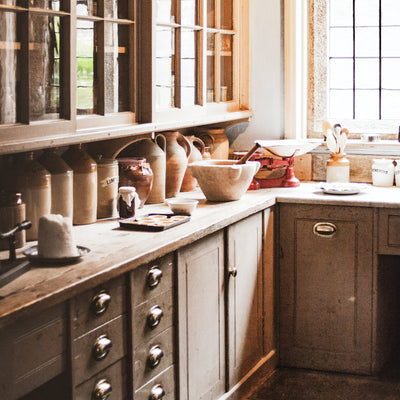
177 151
196 154
154 153
217 141
62 181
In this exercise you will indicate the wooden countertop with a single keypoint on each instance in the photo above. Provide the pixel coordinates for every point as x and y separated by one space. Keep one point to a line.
115 251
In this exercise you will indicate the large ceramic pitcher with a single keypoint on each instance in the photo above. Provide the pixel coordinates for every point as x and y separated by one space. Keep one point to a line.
154 153
177 151
197 151
217 141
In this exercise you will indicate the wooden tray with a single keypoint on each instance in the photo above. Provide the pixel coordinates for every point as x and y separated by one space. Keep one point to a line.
153 222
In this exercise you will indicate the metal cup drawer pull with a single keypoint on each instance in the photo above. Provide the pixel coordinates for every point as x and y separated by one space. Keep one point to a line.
154 316
156 393
154 277
324 229
100 302
155 356
102 390
101 347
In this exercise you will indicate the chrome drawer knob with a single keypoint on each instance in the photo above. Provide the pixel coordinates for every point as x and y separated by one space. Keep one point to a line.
102 390
154 316
155 356
101 347
154 277
157 392
100 302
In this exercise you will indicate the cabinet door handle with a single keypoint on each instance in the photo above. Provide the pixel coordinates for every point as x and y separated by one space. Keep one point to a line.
100 302
101 347
154 316
155 356
156 393
233 272
324 229
154 277
102 390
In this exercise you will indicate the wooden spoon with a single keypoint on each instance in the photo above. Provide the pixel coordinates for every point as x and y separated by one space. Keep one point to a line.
244 159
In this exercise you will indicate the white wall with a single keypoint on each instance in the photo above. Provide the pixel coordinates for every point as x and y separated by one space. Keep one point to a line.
266 77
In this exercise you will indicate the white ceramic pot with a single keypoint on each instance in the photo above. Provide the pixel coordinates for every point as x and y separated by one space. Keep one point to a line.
223 180
382 172
397 172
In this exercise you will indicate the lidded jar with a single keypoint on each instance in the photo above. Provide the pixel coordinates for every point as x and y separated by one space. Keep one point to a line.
62 183
85 184
128 201
338 168
136 172
34 182
382 172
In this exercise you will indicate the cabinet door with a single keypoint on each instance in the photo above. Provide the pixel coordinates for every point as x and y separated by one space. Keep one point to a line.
245 297
201 319
326 272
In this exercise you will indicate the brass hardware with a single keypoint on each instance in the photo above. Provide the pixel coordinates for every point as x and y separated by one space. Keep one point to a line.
157 393
154 316
154 277
101 347
155 355
100 302
324 229
102 390
233 272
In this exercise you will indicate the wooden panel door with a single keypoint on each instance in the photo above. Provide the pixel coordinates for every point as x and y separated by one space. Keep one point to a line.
245 296
201 319
326 283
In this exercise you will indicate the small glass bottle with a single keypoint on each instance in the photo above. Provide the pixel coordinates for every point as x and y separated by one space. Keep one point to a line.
338 168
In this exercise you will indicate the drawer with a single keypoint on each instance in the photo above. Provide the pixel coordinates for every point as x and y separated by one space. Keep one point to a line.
115 376
97 306
164 383
147 283
389 231
143 371
84 362
145 317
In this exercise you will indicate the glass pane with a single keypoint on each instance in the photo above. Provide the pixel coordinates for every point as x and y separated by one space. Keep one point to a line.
390 104
210 67
165 68
9 65
188 12
188 67
367 42
391 41
211 13
367 73
341 42
366 104
85 67
341 104
86 7
341 73
341 13
116 9
390 10
47 4
390 73
226 68
116 68
20 3
226 14
44 79
367 13
165 11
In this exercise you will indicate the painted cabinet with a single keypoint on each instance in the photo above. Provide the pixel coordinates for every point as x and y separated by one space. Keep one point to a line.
326 267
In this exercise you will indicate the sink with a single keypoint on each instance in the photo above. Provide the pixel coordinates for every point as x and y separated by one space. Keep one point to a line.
289 147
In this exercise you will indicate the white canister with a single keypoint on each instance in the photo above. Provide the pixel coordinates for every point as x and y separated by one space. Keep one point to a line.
397 172
337 168
382 172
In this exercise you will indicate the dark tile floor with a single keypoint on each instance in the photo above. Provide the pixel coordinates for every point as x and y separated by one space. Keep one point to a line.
298 384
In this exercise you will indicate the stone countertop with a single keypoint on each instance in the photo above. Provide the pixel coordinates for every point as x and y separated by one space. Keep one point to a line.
115 251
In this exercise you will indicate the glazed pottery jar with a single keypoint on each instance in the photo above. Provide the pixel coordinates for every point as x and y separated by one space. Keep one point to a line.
85 185
154 153
338 168
34 182
196 154
136 172
177 152
62 181
382 172
217 141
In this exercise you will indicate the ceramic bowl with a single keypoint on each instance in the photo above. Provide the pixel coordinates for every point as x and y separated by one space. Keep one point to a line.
223 180
182 206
